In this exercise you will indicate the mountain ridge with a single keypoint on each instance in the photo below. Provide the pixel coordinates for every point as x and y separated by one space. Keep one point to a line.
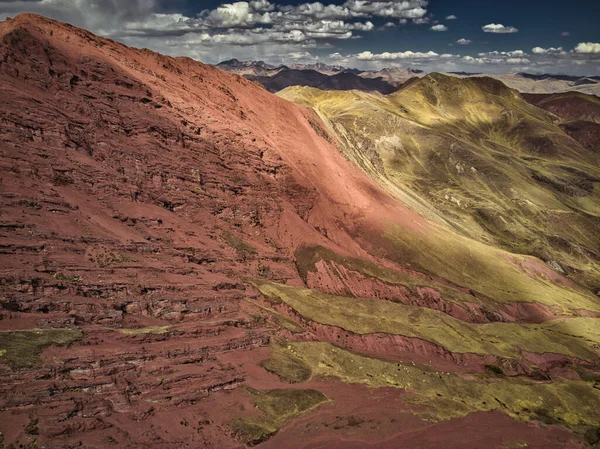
524 82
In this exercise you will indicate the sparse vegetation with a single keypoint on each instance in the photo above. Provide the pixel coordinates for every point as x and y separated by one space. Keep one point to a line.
287 366
238 244
448 395
276 408
22 349
66 278
155 330
308 256
575 337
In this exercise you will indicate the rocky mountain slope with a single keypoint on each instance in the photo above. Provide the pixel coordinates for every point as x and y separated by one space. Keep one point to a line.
312 78
474 155
255 68
191 261
394 76
321 76
390 79
571 106
544 84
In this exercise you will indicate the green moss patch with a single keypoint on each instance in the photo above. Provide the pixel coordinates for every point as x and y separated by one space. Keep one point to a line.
276 407
22 349
155 330
288 367
238 244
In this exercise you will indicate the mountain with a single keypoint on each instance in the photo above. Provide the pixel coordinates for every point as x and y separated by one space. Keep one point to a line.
568 105
580 114
312 78
543 84
191 261
290 77
319 75
388 79
254 68
394 76
475 156
319 67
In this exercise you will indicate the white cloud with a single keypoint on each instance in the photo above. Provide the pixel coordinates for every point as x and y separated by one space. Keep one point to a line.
266 30
511 54
498 28
237 14
421 21
387 56
565 34
439 27
549 50
406 9
451 17
587 47
300 55
517 60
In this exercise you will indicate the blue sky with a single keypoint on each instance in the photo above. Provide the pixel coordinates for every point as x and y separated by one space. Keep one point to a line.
472 35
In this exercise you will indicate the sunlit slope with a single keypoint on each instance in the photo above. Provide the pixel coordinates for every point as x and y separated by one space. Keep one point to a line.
474 156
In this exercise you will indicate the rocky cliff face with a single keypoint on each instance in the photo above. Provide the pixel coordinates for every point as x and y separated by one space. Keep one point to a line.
160 220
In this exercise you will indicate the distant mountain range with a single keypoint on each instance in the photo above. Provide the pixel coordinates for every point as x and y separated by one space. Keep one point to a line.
387 80
321 76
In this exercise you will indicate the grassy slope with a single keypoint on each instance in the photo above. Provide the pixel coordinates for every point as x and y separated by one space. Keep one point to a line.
574 336
473 156
447 395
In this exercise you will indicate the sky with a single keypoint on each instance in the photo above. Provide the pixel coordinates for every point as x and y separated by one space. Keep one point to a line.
489 36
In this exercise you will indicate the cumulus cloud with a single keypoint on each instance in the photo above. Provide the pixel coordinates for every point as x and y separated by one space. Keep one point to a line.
406 9
549 60
387 56
549 50
300 55
587 47
439 27
451 17
306 31
421 21
509 54
238 14
517 61
498 28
